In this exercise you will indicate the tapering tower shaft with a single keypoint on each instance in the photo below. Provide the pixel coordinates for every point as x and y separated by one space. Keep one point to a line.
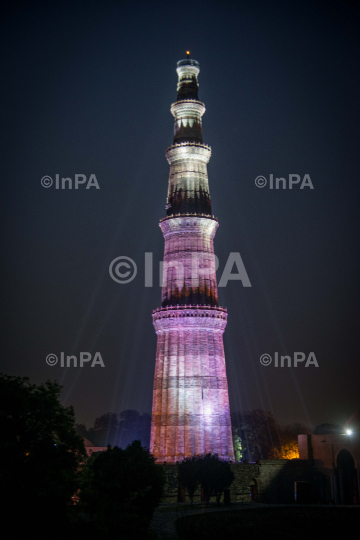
191 412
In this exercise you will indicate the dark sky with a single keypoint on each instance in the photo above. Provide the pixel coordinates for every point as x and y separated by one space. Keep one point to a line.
86 88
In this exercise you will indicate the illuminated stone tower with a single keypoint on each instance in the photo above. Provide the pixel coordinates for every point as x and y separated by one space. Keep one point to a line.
191 413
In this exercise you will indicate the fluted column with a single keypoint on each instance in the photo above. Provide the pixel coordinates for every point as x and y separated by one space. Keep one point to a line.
191 413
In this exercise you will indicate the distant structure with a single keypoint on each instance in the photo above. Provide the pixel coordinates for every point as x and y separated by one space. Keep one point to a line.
335 453
91 449
190 413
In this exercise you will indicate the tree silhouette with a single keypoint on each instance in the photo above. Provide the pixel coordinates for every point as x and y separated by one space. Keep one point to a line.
121 489
258 432
257 435
207 470
40 454
118 430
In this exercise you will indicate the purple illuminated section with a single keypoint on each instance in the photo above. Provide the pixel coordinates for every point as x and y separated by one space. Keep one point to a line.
189 262
191 412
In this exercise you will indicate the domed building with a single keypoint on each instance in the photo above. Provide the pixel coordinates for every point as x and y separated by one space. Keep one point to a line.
335 452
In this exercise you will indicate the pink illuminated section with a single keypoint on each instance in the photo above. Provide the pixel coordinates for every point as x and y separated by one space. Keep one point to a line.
189 263
190 402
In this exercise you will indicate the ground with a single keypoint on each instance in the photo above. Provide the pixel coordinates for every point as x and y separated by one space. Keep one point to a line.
286 521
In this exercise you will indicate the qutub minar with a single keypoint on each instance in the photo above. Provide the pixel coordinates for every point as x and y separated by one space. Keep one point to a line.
190 413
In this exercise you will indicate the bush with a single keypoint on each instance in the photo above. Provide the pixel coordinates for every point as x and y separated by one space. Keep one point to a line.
121 489
209 471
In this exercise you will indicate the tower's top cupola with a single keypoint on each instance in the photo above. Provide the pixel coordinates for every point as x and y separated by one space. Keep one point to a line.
188 71
187 110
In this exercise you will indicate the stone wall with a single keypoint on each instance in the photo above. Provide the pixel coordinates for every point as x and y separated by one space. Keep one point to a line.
268 481
277 477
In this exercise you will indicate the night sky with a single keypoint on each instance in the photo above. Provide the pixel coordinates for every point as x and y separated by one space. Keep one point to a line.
87 88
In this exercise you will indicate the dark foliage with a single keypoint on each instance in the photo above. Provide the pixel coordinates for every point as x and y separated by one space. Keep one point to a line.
209 471
118 429
189 475
40 454
257 435
121 489
258 432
